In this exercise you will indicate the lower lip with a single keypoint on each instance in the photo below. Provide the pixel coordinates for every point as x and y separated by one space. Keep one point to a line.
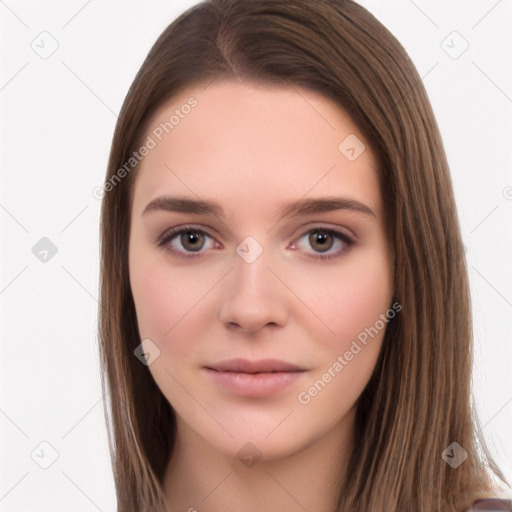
253 384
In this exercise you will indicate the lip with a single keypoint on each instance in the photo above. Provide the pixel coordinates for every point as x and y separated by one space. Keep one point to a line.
261 366
254 378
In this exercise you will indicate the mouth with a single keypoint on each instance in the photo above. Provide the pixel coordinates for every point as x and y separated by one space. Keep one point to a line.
254 367
254 378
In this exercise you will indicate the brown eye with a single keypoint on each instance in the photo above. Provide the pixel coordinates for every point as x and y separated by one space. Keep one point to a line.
321 241
186 241
192 240
324 243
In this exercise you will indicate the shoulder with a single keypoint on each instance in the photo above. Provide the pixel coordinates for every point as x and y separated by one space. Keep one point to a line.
503 504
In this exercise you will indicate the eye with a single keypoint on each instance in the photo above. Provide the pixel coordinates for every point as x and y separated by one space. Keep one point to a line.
322 240
189 242
186 241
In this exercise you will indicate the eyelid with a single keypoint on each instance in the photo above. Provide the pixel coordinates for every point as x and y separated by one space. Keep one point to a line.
325 226
176 230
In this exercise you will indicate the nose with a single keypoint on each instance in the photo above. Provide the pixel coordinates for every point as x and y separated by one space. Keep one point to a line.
253 297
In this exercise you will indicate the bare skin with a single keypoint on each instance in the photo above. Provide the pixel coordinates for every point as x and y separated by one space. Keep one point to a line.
209 296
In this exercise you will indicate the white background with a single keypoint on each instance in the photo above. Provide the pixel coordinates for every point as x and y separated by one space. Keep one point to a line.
58 116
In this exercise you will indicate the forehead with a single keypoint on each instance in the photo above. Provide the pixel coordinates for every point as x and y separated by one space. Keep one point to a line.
257 141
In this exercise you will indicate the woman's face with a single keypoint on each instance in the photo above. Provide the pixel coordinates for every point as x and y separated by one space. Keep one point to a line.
264 311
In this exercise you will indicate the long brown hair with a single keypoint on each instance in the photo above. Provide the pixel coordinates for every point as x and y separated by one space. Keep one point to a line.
418 400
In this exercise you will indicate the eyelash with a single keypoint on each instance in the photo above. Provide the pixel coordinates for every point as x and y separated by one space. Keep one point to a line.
169 235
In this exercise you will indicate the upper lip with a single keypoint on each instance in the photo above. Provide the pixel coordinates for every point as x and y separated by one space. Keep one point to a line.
261 366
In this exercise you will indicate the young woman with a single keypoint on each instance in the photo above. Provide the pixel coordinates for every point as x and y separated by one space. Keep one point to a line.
285 318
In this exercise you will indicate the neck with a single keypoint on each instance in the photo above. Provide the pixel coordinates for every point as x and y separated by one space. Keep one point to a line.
201 478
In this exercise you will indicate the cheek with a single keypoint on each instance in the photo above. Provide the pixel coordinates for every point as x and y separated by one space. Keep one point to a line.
156 300
345 301
357 310
159 298
168 303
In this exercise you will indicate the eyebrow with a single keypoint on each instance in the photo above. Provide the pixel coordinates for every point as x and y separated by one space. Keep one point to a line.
295 209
